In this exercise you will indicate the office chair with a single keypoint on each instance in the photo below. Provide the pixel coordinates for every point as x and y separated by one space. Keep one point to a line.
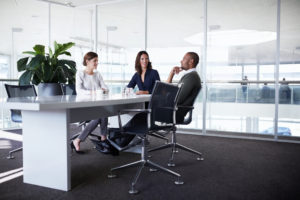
16 116
183 117
68 89
160 110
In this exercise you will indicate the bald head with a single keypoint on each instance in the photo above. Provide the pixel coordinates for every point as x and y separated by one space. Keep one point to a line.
194 57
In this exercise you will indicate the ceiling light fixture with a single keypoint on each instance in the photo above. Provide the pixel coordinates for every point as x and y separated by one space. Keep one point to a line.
68 4
232 37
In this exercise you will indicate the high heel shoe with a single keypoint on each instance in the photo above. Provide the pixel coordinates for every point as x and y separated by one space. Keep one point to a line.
73 148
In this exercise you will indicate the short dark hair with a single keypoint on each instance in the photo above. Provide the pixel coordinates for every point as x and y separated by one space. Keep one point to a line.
89 56
138 66
195 57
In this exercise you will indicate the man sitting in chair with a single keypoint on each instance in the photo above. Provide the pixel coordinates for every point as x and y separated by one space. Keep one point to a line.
191 83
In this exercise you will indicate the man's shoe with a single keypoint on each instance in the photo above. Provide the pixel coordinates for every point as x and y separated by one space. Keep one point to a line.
102 146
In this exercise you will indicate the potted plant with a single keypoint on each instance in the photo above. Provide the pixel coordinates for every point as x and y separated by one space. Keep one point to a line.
46 70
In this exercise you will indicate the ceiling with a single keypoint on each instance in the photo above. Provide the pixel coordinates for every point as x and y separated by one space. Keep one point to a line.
169 23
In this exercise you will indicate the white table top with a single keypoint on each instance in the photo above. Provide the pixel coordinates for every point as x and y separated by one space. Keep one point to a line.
71 101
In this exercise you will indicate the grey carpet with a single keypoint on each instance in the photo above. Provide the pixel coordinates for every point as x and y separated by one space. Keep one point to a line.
232 169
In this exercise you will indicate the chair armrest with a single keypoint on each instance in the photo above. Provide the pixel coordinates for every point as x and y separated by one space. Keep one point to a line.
187 107
168 108
135 110
130 110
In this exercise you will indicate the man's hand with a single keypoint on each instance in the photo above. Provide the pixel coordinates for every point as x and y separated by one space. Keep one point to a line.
176 70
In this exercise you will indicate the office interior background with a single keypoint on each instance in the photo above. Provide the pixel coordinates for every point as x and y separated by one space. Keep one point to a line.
259 39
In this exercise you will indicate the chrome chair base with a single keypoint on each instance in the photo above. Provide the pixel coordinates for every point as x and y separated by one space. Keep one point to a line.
141 164
153 170
157 135
175 146
10 156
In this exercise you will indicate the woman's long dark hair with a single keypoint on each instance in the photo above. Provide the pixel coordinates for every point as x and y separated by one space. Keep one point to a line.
138 66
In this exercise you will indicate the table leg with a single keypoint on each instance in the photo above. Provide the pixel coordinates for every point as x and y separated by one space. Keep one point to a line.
45 149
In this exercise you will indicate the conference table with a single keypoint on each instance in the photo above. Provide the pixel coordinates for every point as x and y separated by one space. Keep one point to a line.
46 137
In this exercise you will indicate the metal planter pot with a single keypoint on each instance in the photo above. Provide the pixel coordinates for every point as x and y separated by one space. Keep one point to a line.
49 89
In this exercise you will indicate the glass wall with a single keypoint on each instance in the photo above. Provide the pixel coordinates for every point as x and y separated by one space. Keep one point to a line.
241 51
170 29
237 47
120 37
289 70
22 26
69 24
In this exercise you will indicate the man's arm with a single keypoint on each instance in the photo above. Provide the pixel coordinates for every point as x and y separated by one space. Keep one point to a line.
175 70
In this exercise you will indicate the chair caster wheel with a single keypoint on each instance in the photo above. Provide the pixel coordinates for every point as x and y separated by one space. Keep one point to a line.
178 182
111 176
153 170
133 191
201 159
10 157
171 165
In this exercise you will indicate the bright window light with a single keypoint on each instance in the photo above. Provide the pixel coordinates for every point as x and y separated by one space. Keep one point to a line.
232 37
10 136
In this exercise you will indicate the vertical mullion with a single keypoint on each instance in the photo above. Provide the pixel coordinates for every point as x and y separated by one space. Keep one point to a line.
204 63
277 71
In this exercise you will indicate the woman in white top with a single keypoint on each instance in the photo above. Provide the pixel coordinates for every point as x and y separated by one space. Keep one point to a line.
87 80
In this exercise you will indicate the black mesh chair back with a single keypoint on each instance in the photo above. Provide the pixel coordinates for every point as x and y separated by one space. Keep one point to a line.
163 101
19 91
184 113
68 89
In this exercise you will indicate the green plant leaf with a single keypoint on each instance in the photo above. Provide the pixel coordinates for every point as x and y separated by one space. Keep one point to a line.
50 52
29 52
62 48
66 53
25 78
48 72
35 79
39 49
55 46
35 62
21 64
69 69
69 63
61 75
47 68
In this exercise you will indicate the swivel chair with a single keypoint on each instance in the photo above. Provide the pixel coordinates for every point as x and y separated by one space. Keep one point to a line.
16 116
183 117
161 109
68 89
